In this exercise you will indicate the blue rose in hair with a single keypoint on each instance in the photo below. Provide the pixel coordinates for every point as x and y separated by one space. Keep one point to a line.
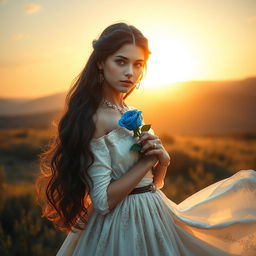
132 121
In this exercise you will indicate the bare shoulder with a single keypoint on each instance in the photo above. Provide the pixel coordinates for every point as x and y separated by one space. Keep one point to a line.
105 120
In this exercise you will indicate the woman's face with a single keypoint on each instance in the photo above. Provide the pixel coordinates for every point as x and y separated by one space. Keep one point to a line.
127 63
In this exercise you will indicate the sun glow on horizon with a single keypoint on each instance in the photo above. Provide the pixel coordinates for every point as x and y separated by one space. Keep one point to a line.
170 61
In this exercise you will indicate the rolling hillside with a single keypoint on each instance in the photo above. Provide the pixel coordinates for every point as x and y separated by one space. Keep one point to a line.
193 108
14 107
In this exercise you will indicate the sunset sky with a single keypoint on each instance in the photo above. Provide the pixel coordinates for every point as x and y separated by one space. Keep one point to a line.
45 44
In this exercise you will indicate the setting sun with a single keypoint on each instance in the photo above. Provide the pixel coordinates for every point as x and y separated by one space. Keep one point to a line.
171 61
188 43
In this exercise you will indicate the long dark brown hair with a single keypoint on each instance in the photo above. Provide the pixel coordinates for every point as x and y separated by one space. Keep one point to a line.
63 187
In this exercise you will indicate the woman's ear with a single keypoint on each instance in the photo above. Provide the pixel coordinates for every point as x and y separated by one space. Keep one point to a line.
100 65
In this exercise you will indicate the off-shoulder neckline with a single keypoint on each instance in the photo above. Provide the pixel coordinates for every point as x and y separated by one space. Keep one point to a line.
117 129
108 134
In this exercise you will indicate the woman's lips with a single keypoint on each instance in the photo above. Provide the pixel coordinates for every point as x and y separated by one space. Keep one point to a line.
126 83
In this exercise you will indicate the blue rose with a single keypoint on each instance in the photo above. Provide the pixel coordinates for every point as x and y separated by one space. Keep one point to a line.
131 120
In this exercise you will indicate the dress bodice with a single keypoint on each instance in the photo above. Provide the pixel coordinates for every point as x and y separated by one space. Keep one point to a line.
117 143
112 159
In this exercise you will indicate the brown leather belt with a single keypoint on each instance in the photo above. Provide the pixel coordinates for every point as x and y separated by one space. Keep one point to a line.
149 188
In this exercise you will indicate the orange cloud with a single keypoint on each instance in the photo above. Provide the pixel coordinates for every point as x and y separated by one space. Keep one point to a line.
32 8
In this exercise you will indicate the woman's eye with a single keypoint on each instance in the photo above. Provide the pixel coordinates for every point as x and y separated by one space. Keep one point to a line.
139 65
121 62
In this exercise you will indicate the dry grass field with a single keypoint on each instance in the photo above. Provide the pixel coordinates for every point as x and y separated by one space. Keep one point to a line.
195 163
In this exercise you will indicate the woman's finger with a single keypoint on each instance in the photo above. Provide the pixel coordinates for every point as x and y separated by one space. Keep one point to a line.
146 136
154 144
153 152
145 133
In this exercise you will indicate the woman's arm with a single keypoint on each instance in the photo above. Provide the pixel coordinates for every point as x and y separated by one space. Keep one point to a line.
152 145
159 172
119 189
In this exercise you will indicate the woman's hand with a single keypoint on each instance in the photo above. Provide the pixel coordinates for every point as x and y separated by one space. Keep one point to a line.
150 161
151 145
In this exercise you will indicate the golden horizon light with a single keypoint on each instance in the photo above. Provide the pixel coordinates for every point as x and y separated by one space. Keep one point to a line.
45 46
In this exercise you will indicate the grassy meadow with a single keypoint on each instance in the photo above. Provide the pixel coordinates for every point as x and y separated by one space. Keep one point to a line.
195 163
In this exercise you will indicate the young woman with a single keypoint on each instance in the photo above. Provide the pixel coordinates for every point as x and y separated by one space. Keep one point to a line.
108 197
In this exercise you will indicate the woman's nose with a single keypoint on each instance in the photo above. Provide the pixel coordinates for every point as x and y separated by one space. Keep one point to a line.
129 71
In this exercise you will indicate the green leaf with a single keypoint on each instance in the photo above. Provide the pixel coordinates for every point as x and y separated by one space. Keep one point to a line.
145 127
135 147
135 135
137 129
136 132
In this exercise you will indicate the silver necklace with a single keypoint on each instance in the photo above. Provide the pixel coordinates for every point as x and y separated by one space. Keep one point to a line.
122 110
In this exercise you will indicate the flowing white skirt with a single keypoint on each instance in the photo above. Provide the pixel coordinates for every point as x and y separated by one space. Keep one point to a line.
218 220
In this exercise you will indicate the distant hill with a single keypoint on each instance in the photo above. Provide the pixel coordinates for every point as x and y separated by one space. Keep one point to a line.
193 108
203 107
13 107
36 120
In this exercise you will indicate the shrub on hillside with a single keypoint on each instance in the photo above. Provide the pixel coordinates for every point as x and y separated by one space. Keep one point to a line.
24 232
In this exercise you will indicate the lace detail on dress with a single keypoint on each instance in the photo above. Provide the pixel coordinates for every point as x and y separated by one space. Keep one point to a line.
228 238
102 244
125 217
138 245
247 244
161 242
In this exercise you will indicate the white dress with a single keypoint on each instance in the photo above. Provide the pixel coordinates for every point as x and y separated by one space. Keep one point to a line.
218 220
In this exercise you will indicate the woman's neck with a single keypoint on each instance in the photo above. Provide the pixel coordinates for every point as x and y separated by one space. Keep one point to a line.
115 99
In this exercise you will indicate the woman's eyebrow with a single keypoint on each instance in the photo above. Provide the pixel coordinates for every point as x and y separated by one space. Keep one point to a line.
125 58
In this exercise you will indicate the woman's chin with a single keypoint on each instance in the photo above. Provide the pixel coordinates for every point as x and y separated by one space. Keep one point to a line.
124 89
